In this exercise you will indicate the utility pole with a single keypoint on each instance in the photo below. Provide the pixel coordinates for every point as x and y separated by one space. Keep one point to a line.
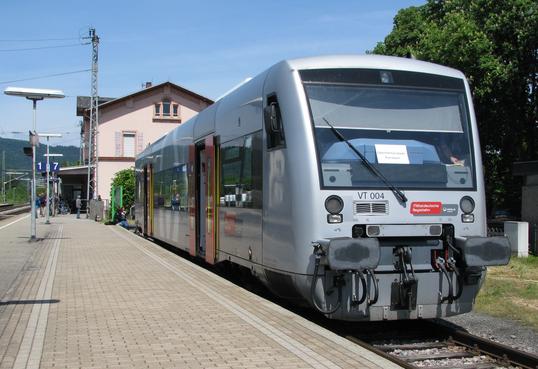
3 176
80 153
47 197
92 132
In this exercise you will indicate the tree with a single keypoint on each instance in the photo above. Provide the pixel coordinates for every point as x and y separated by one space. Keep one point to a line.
495 44
125 178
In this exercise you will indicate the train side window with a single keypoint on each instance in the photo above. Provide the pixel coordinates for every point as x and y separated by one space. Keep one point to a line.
273 124
241 182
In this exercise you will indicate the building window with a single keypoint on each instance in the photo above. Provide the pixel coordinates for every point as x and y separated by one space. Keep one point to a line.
167 110
129 144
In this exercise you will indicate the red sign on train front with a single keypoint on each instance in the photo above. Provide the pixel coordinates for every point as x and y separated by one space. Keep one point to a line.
426 208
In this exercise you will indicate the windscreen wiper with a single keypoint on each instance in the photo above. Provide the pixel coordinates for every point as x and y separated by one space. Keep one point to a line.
395 190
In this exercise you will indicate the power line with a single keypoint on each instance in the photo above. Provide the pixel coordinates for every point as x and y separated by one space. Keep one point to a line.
40 48
49 128
41 39
45 76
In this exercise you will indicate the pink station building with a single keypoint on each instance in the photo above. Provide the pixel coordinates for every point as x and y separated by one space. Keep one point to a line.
126 126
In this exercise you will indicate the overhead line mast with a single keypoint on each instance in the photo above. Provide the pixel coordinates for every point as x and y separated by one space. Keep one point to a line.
92 190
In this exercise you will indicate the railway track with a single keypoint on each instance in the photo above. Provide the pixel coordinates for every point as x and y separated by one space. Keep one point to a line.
5 207
433 345
7 210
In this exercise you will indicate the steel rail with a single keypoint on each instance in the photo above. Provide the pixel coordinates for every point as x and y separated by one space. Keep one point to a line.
500 352
386 355
502 355
10 209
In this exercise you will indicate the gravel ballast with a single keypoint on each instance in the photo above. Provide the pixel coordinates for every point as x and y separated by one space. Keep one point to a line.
505 331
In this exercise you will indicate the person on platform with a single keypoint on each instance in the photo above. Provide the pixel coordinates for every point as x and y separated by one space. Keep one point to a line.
121 218
78 205
42 204
37 206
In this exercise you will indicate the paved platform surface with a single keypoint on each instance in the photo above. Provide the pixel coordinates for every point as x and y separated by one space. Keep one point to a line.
95 296
13 253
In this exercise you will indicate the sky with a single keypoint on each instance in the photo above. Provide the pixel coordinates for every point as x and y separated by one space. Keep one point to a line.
205 46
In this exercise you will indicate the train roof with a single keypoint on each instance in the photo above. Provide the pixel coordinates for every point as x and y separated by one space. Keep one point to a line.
373 62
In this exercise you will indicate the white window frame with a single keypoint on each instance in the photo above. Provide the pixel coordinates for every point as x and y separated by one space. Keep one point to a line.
158 110
125 134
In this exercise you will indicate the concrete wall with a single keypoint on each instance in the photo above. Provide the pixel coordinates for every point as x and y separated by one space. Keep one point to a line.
107 170
529 199
529 204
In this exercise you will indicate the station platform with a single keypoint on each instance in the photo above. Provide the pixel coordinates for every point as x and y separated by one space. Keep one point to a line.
86 295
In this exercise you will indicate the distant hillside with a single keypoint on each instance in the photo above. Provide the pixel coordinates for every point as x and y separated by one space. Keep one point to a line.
15 158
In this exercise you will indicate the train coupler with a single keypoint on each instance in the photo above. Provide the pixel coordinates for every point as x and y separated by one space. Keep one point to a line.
355 300
441 265
404 292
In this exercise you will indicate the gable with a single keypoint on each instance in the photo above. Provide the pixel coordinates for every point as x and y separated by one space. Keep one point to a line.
166 88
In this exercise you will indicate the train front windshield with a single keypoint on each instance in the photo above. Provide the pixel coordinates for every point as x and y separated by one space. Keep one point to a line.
412 127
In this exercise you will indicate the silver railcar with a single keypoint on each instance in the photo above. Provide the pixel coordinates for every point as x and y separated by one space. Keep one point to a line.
350 183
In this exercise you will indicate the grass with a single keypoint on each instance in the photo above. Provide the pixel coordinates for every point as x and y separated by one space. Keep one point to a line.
511 291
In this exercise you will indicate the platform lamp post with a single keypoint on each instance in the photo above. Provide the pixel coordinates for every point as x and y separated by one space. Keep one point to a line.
47 168
34 94
49 155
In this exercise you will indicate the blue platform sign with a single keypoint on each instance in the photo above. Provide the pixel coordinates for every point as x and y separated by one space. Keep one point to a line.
42 165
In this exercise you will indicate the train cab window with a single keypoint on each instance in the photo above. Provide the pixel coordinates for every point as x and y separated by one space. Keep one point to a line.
415 131
273 124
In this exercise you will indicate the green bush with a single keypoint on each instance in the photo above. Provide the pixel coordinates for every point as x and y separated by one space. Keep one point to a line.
125 178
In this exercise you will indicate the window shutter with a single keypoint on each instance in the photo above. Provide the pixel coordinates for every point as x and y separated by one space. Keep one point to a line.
139 142
118 144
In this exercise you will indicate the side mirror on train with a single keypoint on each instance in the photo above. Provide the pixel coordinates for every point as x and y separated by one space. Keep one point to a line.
272 113
273 124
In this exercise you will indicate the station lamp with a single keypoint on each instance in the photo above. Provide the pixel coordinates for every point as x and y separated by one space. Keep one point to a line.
34 94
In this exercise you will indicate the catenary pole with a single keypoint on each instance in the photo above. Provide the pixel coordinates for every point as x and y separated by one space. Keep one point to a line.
92 139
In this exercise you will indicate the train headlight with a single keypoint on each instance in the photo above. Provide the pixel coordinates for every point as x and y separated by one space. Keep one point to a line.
467 204
467 218
334 204
334 218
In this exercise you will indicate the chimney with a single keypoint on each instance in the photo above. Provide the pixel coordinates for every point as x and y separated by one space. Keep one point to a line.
148 84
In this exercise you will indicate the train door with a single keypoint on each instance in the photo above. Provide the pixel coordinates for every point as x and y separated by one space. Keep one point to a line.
148 200
146 203
205 200
192 174
202 200
211 199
